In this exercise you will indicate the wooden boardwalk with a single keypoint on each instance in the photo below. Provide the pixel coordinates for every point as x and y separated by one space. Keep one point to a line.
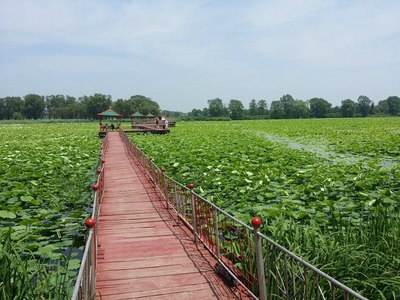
144 251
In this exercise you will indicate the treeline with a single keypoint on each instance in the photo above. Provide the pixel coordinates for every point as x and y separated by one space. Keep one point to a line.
289 108
34 106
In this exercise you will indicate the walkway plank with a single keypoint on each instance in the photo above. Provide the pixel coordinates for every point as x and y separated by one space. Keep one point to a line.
140 254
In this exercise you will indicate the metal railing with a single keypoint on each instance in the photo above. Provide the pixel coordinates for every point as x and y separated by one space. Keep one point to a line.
248 257
85 286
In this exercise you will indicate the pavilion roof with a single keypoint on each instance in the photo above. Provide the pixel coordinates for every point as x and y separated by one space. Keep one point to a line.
137 114
109 112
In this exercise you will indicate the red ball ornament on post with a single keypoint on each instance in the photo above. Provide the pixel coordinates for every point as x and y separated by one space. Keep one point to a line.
90 223
191 186
103 161
162 170
95 187
98 170
256 222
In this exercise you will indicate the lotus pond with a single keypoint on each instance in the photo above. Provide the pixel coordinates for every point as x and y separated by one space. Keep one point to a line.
328 189
46 171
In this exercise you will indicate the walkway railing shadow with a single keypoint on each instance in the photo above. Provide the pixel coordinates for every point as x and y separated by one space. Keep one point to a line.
245 256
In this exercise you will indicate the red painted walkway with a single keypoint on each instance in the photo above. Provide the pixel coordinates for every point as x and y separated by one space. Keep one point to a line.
144 251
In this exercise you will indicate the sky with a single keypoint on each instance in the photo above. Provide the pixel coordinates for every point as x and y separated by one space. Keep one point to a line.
182 53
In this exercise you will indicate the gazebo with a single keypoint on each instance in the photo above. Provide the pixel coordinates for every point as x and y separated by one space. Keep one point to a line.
109 115
138 118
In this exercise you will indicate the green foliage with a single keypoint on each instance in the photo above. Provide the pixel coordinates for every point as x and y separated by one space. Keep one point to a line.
364 105
46 172
394 105
144 105
25 276
92 105
326 187
319 107
33 106
216 108
63 107
348 108
236 109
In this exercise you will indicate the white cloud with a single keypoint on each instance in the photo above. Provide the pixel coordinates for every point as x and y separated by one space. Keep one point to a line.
333 36
172 47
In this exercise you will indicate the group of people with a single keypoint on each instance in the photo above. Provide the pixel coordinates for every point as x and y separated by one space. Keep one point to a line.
161 121
107 127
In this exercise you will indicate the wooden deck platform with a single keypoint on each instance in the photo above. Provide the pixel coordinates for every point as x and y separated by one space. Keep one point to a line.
144 251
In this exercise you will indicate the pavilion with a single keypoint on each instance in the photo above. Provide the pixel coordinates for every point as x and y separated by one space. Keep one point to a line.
108 116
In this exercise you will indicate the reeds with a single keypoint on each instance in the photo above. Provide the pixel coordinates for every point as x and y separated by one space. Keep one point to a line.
24 276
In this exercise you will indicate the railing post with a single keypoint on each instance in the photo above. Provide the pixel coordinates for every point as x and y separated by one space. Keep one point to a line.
194 214
256 223
175 198
91 225
164 186
216 230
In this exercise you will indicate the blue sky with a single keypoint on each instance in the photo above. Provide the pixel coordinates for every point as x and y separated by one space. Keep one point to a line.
182 53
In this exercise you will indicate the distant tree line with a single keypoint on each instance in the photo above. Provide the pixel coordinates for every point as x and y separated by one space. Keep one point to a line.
289 108
34 106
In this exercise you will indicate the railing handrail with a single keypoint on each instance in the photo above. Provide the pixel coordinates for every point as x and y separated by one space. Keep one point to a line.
330 279
88 262
82 268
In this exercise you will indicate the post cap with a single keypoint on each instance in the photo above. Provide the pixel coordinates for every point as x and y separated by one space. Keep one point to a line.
256 222
90 223
191 186
95 187
98 170
162 170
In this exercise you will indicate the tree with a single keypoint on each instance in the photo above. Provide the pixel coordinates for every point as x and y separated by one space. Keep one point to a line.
253 108
62 107
394 105
348 108
261 107
10 105
215 107
299 109
383 107
2 108
319 107
54 101
364 105
287 105
92 105
276 110
196 112
144 105
17 116
123 107
236 109
372 110
34 106
335 112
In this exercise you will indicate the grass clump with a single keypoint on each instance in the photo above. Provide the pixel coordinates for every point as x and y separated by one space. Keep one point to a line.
25 276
